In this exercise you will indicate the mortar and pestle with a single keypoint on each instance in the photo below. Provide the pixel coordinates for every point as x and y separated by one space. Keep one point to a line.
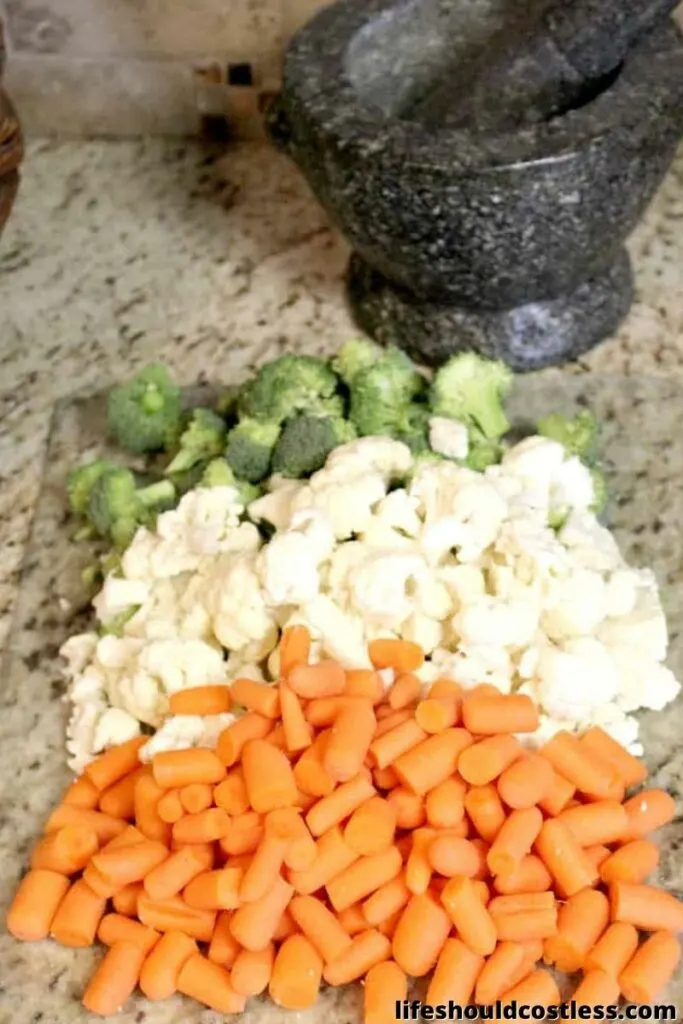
486 159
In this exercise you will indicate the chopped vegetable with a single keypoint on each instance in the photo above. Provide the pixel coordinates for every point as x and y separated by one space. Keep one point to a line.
305 443
381 395
249 448
203 438
288 385
579 435
82 480
355 355
117 506
144 414
471 389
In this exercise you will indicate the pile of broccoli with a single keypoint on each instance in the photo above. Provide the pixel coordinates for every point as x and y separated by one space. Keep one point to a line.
286 420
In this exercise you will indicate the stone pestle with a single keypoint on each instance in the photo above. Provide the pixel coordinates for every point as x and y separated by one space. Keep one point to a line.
558 64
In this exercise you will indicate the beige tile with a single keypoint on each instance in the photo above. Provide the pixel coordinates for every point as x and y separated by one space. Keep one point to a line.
297 12
65 96
236 29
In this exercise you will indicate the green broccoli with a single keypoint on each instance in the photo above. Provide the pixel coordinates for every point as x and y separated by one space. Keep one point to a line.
117 506
289 385
471 389
305 443
145 413
81 480
357 354
217 473
482 452
417 434
203 438
250 448
578 435
381 395
600 491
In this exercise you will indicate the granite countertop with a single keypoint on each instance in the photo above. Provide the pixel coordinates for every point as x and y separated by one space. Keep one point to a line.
121 253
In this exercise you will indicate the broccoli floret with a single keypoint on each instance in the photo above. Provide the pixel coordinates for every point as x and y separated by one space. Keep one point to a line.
250 448
471 389
381 395
145 412
203 438
81 481
305 443
417 436
289 385
578 435
117 506
482 452
218 474
357 354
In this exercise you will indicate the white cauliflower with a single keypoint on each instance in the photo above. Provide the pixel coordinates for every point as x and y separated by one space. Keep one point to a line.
383 586
340 632
181 731
448 437
118 595
510 624
576 678
574 606
347 502
377 455
234 599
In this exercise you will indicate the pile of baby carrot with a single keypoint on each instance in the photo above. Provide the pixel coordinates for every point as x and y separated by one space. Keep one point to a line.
339 832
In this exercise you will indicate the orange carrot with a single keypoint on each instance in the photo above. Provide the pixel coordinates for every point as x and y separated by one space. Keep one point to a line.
367 949
244 834
645 907
126 900
598 854
116 928
147 796
323 711
484 761
444 805
294 650
371 827
651 968
526 782
471 918
232 740
119 799
298 732
418 870
580 923
254 924
320 926
114 763
630 769
385 985
579 765
401 655
339 805
103 825
77 919
284 928
518 903
405 691
353 920
349 741
514 840
231 794
391 743
498 972
596 989
159 974
363 877
388 719
174 873
564 858
422 916
434 714
173 914
201 700
485 811
214 890
486 714
363 682
224 947
533 951
408 807
386 901
632 862
251 970
456 974
170 808
65 851
450 856
196 797
35 904
209 984
82 793
604 821
296 975
173 769
114 979
613 950
287 826
268 777
432 761
648 811
530 875
326 679
204 827
526 925
264 868
309 774
129 863
558 797
262 698
98 883
538 989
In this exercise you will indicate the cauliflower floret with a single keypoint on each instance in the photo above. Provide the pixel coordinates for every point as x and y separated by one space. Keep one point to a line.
240 617
118 595
621 727
482 663
275 507
465 583
535 459
490 619
181 731
422 630
463 512
116 652
381 537
140 694
288 568
373 455
179 664
621 592
644 629
448 437
590 544
77 651
572 487
347 502
399 512
547 727
317 529
643 683
576 678
383 586
574 606
341 633
114 727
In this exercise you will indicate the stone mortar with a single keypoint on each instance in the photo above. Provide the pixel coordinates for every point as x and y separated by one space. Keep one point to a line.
511 243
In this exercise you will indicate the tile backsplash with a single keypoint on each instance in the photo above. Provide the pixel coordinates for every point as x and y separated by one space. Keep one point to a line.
124 67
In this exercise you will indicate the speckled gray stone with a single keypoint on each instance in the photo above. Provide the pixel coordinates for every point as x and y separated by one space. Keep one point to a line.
486 222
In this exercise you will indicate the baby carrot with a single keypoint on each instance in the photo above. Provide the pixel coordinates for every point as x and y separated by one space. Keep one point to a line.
571 869
533 951
244 834
485 811
418 869
204 827
484 761
580 923
422 916
405 691
129 863
173 769
103 825
648 811
323 711
632 862
254 924
231 793
326 679
287 826
114 979
173 914
320 926
214 890
264 868
333 857
598 854
363 877
298 732
309 774
296 974
65 851
251 970
630 769
119 799
487 715
82 793
35 904
388 719
371 827
456 974
498 971
444 805
471 918
294 649
77 919
521 902
530 875
98 883
116 928
332 809
385 985
170 808
196 797
179 868
284 928
232 740
268 777
262 698
651 968
209 984
648 908
363 682
159 973
580 765
401 655
432 761
596 989
514 840
526 925
557 798
349 741
146 801
526 782
224 947
386 901
434 714
408 807
126 900
603 821
450 856
367 949
390 744
353 920
201 700
613 950
114 763
538 989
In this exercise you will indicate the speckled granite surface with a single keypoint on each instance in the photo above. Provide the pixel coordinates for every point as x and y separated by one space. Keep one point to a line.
119 253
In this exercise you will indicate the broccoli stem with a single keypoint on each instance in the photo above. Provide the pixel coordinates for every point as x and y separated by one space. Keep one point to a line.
152 401
156 494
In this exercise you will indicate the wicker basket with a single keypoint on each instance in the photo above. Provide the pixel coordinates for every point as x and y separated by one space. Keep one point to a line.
11 147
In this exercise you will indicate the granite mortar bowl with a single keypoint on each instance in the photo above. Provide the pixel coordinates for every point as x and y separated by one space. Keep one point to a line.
509 243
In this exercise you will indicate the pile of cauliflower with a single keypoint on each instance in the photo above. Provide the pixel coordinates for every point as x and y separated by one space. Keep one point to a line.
378 544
